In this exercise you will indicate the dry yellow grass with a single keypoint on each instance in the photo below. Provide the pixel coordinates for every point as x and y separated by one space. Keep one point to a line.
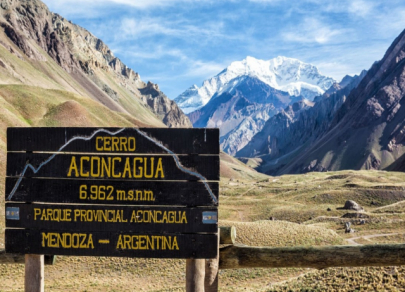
347 280
282 233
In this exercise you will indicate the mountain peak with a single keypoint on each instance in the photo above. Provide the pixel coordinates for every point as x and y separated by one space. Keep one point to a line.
282 73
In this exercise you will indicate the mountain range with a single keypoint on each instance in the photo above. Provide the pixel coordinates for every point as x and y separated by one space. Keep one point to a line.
284 74
360 126
241 98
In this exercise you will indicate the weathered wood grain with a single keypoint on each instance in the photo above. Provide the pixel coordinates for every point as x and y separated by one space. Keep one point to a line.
195 272
211 272
238 257
34 273
227 235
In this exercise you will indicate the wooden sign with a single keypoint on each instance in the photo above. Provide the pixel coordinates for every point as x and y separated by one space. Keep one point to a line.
129 190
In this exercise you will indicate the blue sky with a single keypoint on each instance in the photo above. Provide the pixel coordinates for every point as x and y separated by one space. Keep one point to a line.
178 43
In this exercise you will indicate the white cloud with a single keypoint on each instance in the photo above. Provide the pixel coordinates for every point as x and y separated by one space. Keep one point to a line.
336 69
311 30
130 28
198 68
360 7
141 4
264 1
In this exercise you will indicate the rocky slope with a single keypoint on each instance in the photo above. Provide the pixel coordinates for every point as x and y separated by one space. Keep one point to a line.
245 95
366 132
240 112
285 136
284 74
34 35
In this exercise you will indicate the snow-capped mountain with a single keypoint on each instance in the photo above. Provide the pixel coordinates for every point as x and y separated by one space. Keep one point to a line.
284 74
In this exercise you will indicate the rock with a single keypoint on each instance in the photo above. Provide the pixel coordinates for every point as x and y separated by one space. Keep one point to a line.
348 229
112 93
355 215
166 109
4 4
352 205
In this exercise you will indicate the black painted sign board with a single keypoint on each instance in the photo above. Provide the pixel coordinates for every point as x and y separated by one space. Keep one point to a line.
112 192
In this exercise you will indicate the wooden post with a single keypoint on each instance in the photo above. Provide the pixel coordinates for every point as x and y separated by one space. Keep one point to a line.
319 257
227 234
34 273
211 271
195 274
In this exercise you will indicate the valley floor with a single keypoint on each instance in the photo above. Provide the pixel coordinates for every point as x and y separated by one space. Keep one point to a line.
298 205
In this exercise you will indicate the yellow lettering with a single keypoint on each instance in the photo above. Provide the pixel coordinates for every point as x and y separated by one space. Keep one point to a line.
127 241
119 242
107 141
83 158
175 245
133 216
136 175
77 214
37 212
159 168
184 217
142 242
123 144
93 173
127 169
82 243
98 148
73 166
106 167
145 165
45 236
113 167
114 144
90 242
130 195
131 147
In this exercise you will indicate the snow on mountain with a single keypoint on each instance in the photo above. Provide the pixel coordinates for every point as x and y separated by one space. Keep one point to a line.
285 74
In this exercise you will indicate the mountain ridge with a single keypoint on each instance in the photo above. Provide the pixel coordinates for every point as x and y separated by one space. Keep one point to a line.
285 74
367 131
29 29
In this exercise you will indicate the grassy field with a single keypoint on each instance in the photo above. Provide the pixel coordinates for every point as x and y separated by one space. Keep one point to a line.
298 203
